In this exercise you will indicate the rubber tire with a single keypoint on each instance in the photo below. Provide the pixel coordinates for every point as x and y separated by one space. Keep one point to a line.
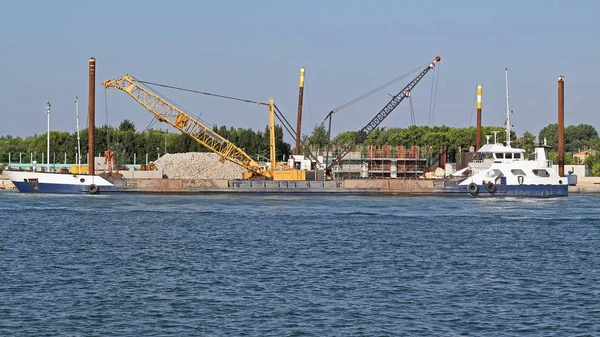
490 187
473 188
93 188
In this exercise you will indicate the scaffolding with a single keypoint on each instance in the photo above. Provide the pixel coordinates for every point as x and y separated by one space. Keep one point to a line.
386 162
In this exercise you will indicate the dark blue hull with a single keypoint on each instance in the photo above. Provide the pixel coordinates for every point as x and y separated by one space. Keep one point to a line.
529 191
26 187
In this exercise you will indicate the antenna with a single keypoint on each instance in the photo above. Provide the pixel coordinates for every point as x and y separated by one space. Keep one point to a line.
78 139
507 111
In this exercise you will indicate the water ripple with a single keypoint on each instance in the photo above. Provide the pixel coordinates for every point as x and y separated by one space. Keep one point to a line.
224 265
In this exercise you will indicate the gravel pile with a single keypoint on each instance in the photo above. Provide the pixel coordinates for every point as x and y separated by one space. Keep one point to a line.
198 165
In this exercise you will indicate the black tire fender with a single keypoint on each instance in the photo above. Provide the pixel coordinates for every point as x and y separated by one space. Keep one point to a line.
473 188
93 188
490 187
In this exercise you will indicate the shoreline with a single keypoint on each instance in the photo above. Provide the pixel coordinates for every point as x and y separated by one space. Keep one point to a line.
591 185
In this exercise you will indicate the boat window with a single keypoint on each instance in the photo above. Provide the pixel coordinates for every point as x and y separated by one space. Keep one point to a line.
499 155
508 155
541 173
517 155
517 172
487 155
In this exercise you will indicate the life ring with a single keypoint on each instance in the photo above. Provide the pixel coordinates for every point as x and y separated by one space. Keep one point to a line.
93 188
473 188
490 187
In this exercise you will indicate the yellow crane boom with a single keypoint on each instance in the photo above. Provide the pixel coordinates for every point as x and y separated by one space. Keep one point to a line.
169 113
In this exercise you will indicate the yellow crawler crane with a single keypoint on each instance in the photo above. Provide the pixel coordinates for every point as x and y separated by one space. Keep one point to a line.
166 112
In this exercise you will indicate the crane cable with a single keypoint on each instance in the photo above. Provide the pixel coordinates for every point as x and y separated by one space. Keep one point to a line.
412 110
473 108
437 80
277 112
287 127
107 130
170 101
150 124
203 93
383 86
433 97
360 98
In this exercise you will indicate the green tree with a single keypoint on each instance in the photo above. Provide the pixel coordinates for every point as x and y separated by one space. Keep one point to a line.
593 162
126 125
527 142
553 156
595 143
576 137
549 135
344 138
318 139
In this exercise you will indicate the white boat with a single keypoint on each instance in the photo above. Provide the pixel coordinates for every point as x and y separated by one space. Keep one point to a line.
44 181
500 170
510 174
62 183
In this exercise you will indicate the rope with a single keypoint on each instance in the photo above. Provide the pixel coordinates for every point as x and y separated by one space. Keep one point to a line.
288 127
284 121
164 97
203 93
412 110
473 108
437 80
153 121
106 112
383 86
429 118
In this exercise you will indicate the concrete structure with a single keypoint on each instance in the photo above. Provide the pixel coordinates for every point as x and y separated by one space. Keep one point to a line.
387 162
5 183
582 155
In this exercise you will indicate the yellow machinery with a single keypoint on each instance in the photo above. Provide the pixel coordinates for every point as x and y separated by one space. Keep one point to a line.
169 113
75 169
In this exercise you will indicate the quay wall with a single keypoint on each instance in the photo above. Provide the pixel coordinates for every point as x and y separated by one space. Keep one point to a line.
5 183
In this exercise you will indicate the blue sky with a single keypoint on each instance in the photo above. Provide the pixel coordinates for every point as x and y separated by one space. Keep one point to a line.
254 50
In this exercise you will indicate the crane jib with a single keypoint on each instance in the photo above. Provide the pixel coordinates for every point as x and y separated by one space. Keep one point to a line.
169 113
386 111
394 102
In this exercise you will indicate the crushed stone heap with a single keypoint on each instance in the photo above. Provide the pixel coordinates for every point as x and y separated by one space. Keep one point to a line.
198 165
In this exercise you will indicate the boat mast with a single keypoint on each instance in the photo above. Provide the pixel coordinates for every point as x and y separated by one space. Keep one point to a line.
78 139
91 117
48 141
507 111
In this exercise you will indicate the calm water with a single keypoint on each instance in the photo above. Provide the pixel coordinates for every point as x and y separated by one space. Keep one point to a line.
298 266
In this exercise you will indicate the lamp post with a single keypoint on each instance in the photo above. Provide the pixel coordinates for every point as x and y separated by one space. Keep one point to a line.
48 142
166 133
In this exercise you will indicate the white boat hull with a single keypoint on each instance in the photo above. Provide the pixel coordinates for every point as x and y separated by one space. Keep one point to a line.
41 182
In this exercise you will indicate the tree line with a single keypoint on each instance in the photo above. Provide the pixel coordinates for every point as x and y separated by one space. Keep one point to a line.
455 140
125 141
